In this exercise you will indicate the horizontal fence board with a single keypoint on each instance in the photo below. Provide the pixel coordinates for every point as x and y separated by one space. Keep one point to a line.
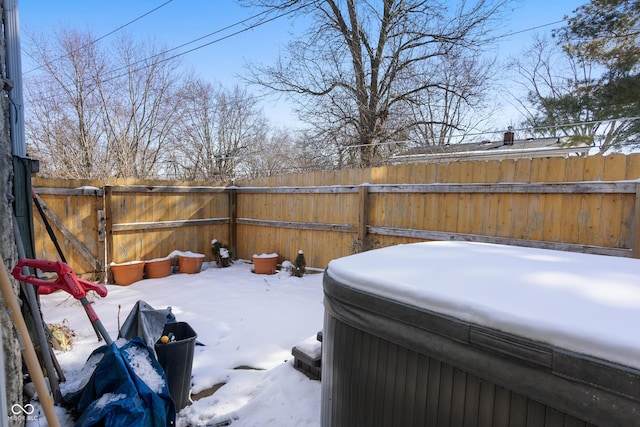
520 188
344 228
317 189
81 191
441 235
139 226
166 189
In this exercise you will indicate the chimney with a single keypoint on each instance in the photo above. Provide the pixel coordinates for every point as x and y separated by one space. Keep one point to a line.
508 136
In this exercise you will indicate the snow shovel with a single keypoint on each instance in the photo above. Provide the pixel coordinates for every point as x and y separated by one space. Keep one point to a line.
66 281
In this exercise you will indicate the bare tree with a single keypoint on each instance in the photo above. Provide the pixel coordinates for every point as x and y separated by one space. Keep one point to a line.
219 129
94 113
271 155
63 120
140 108
551 78
440 115
362 60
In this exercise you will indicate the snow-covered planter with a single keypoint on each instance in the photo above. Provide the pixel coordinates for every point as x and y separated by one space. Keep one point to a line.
157 268
127 273
265 263
189 262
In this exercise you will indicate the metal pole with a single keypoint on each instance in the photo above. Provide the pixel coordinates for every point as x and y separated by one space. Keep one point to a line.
39 325
14 73
4 413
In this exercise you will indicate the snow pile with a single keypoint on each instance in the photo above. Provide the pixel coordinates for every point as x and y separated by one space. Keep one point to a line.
141 365
186 254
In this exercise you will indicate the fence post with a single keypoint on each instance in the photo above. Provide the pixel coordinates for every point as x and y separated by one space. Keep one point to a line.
635 227
363 217
233 215
108 230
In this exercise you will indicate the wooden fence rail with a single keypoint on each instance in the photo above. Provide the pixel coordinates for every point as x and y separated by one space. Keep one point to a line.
120 223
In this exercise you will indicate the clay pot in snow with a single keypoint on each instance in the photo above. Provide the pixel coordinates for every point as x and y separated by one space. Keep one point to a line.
127 273
265 263
190 264
157 268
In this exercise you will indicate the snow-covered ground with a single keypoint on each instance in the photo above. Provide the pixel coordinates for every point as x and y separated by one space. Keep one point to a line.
249 323
244 320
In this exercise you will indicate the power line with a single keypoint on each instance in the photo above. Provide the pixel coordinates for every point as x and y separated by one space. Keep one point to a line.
101 37
240 157
226 37
164 52
513 33
527 129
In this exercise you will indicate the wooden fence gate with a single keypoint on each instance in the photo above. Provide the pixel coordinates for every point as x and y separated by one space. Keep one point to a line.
75 217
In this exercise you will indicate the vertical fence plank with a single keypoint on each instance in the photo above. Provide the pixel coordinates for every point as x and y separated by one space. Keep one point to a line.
574 169
614 167
593 168
108 211
363 214
635 233
553 202
633 166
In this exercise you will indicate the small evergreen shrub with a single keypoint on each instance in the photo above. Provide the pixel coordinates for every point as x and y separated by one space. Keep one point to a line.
299 265
221 253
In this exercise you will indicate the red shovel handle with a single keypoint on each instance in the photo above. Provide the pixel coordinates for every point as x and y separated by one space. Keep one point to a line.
66 280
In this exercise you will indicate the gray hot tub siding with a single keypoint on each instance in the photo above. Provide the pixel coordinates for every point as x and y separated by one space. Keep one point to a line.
389 364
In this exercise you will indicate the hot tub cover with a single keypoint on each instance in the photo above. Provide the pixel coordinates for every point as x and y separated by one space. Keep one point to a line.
587 304
556 327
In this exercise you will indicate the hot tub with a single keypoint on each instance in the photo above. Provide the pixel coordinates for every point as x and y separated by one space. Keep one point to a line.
473 334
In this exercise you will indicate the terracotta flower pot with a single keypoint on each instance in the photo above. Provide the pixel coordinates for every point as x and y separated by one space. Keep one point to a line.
127 273
158 268
190 264
265 263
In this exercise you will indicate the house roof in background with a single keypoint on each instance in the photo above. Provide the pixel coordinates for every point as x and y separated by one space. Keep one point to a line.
495 150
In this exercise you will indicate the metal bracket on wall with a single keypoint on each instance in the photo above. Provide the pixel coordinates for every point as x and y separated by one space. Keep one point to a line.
102 225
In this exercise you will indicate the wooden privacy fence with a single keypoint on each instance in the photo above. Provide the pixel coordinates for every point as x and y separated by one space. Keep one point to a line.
146 222
500 202
332 221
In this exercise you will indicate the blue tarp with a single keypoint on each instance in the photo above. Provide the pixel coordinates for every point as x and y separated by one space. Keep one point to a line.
115 396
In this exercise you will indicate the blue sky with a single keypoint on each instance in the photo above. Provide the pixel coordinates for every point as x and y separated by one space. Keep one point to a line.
181 21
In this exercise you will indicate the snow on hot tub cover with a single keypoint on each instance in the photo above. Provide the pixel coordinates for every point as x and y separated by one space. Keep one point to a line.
589 304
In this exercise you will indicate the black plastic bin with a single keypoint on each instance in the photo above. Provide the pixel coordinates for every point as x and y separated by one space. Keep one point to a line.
176 358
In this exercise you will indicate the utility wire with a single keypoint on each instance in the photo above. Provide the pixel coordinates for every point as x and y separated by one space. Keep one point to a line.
513 33
101 37
228 27
164 52
232 35
383 144
273 18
